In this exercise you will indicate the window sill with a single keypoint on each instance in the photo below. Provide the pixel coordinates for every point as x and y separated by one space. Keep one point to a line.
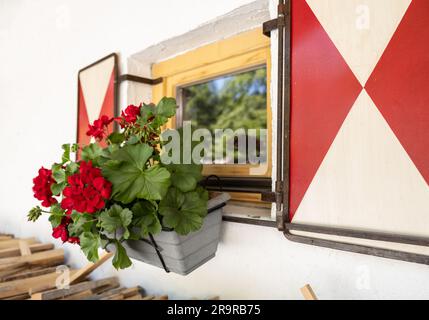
248 213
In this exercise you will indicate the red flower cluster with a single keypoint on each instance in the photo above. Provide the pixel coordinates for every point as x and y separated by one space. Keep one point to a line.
98 129
128 116
61 231
42 187
87 190
131 113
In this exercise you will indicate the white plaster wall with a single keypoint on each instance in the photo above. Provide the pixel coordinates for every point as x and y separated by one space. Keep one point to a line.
42 46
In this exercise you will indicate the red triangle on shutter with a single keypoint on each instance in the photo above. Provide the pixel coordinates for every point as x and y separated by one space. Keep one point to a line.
323 91
399 85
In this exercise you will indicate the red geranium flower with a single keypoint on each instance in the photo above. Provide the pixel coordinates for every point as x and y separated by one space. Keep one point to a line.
128 116
98 129
74 240
87 190
131 113
42 187
61 231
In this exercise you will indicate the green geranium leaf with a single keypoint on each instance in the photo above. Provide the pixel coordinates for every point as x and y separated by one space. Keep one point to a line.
126 217
166 107
146 218
75 215
72 168
110 219
130 176
116 137
89 243
115 218
92 152
56 215
133 139
108 223
58 173
55 220
74 147
81 223
56 209
121 259
57 188
66 154
183 211
202 193
146 111
185 176
106 154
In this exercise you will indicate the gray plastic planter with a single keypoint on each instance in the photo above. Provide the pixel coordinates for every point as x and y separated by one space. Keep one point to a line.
182 254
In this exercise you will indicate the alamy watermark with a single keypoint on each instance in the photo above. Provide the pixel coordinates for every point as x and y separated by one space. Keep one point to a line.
219 146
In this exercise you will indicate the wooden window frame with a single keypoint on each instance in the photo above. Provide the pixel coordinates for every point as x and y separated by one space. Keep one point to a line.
238 53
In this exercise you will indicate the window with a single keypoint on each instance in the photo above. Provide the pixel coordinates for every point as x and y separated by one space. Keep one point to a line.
226 85
236 101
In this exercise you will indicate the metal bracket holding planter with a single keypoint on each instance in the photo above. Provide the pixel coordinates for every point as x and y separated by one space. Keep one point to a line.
283 23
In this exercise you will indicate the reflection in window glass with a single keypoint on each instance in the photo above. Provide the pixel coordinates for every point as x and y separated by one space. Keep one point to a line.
237 101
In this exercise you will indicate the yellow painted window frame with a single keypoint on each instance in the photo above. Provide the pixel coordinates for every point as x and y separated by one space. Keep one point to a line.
240 52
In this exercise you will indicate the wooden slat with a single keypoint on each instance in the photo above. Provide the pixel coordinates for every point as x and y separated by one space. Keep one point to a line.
45 258
24 248
131 291
28 273
83 286
126 293
106 295
15 251
5 275
85 271
23 296
79 295
11 267
32 285
118 296
4 238
14 243
308 293
102 290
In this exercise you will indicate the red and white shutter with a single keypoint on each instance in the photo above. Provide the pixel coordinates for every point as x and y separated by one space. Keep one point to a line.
96 94
359 143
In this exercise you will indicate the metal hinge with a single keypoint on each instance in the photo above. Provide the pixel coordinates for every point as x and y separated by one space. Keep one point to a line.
279 205
130 77
273 24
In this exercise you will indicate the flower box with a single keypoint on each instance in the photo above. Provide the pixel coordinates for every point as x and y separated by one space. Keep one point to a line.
182 254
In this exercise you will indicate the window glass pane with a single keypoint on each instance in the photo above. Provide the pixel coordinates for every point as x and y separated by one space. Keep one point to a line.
237 102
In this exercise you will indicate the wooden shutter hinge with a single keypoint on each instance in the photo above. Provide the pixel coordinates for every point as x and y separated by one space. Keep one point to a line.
276 23
133 78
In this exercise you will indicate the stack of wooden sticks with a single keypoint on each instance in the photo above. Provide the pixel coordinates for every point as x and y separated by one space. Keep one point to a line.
33 270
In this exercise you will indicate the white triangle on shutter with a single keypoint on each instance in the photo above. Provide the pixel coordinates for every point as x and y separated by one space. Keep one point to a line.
360 29
367 181
94 82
